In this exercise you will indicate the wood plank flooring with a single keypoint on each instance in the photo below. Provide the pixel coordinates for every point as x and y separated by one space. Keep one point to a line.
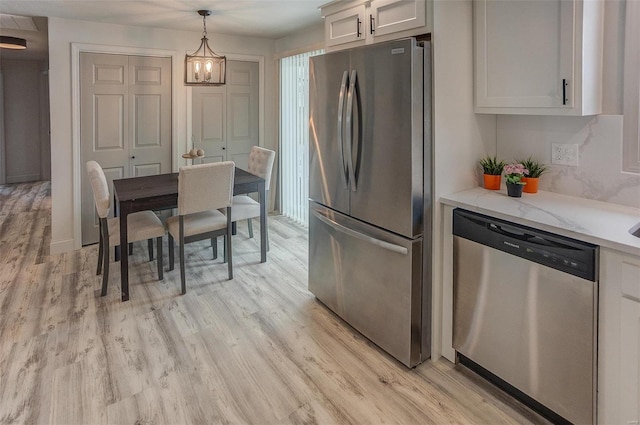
258 349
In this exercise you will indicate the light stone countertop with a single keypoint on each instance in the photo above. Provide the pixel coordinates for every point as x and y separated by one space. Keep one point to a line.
591 221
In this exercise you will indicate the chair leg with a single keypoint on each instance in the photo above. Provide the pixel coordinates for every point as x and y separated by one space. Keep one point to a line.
105 272
130 248
228 251
266 230
150 248
160 275
100 252
214 247
182 273
171 243
225 257
250 225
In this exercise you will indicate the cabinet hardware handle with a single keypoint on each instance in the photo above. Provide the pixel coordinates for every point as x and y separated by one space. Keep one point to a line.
564 91
359 33
372 23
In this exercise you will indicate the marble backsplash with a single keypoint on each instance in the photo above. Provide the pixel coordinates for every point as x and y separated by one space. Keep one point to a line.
599 138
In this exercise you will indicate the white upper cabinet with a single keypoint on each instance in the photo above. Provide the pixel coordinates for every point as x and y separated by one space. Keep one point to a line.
357 22
392 16
538 57
346 26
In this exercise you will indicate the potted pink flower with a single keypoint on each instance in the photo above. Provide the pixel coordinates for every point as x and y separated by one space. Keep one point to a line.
514 173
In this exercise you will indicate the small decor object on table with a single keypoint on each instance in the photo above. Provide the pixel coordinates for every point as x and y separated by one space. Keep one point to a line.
492 169
193 154
535 171
514 174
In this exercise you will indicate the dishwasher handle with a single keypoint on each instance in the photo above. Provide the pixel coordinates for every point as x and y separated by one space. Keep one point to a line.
521 235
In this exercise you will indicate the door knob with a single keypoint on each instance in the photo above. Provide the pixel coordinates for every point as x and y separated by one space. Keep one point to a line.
223 148
133 157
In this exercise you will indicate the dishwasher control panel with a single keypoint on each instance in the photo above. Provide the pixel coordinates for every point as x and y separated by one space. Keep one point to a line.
559 252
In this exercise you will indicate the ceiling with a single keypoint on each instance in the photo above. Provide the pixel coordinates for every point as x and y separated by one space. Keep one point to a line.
253 18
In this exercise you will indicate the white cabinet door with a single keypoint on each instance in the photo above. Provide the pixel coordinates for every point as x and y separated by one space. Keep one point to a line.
367 22
619 339
345 26
391 16
533 57
630 361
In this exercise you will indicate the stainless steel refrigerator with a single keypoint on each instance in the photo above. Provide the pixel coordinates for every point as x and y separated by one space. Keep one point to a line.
370 192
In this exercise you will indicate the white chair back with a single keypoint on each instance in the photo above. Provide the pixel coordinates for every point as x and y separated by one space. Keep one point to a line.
205 187
261 163
100 188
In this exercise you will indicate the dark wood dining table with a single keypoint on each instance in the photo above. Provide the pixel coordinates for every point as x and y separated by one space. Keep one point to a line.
160 192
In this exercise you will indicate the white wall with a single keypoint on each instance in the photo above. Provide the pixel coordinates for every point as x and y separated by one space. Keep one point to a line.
599 174
22 120
307 39
460 136
62 33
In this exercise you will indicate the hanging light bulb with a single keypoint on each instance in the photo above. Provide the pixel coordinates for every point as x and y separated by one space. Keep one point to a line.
196 73
209 68
215 66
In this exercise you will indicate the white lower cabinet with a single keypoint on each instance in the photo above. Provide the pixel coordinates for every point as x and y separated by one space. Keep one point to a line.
630 360
619 339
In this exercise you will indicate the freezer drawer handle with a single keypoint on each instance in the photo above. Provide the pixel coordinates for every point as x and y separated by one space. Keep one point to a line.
343 88
373 241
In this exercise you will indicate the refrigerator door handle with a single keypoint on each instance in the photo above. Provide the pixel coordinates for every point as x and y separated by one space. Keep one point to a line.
349 120
373 241
343 89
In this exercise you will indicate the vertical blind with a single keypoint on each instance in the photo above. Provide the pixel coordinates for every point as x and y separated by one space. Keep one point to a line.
294 135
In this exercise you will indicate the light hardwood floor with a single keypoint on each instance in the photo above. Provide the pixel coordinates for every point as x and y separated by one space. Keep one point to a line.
258 349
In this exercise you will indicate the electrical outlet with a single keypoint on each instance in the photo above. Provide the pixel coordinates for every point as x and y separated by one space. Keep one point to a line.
564 154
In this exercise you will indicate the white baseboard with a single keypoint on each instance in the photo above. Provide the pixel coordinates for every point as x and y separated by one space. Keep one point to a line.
60 247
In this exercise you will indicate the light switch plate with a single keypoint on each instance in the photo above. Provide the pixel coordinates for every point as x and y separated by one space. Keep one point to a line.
564 154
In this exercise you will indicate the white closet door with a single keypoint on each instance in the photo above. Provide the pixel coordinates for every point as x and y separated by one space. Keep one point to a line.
150 115
225 118
125 122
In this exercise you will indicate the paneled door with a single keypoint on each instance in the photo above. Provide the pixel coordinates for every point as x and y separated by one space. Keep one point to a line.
125 121
225 118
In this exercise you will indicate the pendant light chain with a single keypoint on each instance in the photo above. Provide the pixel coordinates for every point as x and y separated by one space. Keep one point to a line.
204 25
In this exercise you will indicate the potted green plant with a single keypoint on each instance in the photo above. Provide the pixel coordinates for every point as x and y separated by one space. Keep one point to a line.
492 170
535 171
514 173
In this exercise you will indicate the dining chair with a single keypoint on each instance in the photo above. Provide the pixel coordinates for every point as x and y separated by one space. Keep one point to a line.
244 207
202 190
140 225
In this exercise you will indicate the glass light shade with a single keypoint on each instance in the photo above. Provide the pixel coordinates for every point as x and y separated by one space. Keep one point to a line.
204 68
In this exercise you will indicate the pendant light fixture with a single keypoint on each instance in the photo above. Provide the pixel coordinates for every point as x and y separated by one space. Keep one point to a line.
203 67
13 43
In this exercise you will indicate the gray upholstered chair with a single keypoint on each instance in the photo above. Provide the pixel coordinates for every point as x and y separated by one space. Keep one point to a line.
202 190
140 225
244 207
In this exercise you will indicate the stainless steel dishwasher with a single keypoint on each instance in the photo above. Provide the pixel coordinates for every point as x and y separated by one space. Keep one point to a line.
525 313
